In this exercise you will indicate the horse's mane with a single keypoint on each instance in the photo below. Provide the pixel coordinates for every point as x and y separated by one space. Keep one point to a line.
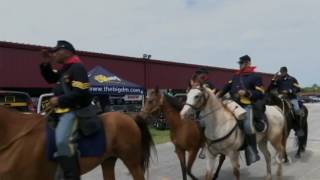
221 101
174 102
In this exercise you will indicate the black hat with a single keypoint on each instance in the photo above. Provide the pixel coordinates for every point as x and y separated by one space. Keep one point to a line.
62 44
244 59
202 70
283 69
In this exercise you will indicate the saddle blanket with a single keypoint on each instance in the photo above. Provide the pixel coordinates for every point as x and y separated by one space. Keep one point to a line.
88 146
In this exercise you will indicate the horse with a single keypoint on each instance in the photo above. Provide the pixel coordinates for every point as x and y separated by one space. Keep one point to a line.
273 98
185 135
224 135
23 146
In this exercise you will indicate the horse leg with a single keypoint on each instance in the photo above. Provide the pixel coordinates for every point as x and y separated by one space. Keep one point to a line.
234 159
134 166
284 144
279 152
210 161
182 158
300 147
222 157
191 158
108 168
302 141
263 146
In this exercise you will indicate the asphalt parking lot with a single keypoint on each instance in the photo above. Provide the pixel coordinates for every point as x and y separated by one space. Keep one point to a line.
167 166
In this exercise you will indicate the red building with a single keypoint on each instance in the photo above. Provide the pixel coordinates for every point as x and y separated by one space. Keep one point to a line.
19 69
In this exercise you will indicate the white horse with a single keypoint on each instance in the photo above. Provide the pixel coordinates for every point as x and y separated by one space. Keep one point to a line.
224 135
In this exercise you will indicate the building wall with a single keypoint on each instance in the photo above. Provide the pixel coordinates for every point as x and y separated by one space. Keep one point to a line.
19 68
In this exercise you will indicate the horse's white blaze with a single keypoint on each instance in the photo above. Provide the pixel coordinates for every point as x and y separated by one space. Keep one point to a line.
187 110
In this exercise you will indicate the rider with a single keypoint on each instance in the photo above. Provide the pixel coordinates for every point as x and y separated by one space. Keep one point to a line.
289 86
246 88
71 92
201 77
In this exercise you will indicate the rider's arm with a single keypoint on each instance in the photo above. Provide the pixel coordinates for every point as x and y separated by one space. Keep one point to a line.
79 91
258 91
225 89
296 86
50 75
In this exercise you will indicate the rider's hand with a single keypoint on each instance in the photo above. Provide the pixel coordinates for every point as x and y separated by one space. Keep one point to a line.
53 102
242 92
284 92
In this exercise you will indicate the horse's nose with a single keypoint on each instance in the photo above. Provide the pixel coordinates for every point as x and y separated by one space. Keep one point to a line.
185 113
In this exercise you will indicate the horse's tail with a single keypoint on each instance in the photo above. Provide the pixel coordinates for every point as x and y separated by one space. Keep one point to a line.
305 126
285 133
146 142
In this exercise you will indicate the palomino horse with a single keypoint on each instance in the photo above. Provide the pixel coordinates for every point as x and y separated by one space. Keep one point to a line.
224 135
273 98
185 135
23 146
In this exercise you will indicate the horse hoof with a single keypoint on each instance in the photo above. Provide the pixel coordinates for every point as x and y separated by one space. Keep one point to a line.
268 177
298 156
287 160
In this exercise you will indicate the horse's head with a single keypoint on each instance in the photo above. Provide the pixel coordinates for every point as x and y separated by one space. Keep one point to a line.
197 98
153 102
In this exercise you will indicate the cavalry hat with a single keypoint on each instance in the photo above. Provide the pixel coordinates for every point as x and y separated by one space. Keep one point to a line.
62 44
284 69
202 70
244 59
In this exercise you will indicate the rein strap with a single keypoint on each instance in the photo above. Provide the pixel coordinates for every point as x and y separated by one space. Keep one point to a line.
224 137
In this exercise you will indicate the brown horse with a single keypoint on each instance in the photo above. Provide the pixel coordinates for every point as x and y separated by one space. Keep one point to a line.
23 146
185 135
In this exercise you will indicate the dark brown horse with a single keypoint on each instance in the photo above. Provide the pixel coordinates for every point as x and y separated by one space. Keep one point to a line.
23 147
185 135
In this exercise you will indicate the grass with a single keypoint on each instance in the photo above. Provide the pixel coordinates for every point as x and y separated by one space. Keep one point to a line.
160 136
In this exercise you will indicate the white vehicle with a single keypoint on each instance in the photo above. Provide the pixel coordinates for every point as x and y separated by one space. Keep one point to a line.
43 103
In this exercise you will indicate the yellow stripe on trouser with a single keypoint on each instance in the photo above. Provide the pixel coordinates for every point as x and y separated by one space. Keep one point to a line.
73 136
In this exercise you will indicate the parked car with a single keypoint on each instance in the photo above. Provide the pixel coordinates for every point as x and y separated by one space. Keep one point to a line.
17 100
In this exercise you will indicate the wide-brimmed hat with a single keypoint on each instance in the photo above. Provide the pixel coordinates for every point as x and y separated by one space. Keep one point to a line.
244 59
62 44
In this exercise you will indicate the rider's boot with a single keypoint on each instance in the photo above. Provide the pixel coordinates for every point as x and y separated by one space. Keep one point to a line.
251 151
70 167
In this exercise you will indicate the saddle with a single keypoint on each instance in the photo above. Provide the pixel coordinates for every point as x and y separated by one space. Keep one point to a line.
91 136
89 121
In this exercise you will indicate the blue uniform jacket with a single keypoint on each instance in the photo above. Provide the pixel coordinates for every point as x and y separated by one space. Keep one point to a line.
288 84
250 82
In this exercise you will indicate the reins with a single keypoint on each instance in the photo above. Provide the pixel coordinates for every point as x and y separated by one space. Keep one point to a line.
202 117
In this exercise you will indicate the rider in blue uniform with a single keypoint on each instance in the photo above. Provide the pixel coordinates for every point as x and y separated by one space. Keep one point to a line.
70 93
246 88
289 86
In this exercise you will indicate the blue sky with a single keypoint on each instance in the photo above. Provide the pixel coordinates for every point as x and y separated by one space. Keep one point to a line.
209 32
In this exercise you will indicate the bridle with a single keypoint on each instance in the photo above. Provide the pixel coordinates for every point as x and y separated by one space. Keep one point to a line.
203 96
